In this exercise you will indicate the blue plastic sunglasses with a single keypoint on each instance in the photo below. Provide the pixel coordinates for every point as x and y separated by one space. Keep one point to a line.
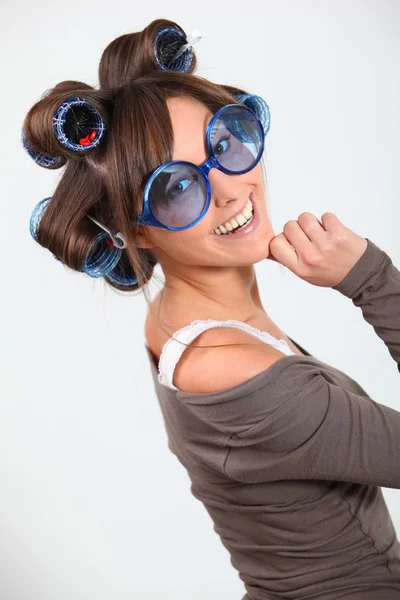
178 193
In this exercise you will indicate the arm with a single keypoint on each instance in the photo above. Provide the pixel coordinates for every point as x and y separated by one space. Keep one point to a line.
321 432
373 284
308 427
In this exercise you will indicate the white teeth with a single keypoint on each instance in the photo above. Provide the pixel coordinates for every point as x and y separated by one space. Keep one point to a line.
241 219
247 212
237 221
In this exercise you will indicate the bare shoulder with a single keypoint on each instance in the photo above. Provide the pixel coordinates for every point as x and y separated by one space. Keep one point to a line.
214 369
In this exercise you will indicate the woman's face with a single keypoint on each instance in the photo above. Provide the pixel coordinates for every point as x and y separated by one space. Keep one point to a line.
229 195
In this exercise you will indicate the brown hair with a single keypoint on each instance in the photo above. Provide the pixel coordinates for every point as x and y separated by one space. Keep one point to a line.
108 181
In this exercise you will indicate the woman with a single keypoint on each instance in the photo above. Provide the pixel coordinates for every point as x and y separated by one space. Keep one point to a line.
286 452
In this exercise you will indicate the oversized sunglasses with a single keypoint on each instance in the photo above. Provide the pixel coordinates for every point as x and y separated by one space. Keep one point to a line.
178 193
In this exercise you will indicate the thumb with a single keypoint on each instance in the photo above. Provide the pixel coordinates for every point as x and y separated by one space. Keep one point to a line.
269 255
283 249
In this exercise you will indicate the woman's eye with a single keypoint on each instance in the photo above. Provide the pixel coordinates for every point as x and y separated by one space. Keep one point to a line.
178 188
221 147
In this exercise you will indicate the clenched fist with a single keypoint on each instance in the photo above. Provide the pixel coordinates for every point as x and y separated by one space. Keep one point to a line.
320 253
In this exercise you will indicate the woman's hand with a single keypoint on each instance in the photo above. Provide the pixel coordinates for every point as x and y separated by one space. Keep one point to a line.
320 253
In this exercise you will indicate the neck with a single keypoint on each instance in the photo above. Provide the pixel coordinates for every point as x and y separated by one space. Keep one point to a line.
210 293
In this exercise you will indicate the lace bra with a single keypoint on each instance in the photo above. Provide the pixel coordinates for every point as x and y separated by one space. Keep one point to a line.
173 350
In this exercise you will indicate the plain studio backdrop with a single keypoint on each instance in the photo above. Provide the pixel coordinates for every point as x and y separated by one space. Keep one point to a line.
93 504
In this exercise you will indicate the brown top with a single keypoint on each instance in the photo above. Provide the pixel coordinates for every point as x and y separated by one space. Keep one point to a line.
288 464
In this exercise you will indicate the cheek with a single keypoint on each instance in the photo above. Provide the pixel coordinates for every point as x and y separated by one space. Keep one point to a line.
258 180
177 244
256 174
191 246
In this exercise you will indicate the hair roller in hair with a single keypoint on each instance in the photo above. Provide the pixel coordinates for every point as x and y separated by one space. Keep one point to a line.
120 277
172 50
40 158
103 259
102 256
100 264
258 106
78 125
36 216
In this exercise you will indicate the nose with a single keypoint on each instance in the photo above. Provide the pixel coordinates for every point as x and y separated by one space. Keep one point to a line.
224 188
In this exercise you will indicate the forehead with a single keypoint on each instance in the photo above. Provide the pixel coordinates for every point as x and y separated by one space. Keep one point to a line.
189 119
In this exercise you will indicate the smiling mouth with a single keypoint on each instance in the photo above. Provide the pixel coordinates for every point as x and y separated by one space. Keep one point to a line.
239 221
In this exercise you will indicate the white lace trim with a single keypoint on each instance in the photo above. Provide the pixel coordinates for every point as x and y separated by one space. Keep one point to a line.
172 350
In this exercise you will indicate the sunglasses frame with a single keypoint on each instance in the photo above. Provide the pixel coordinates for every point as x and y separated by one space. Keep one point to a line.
147 217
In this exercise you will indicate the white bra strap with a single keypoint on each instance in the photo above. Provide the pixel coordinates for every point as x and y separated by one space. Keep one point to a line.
173 350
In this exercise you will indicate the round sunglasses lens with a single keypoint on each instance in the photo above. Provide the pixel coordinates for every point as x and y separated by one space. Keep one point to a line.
236 139
178 195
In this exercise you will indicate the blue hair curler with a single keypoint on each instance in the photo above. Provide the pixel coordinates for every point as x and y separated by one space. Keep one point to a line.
172 50
103 256
40 158
36 216
102 260
118 276
78 125
258 105
100 265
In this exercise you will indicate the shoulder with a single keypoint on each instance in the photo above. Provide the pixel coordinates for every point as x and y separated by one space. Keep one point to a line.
214 369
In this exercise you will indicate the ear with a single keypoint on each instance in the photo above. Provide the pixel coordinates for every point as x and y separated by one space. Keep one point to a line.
143 239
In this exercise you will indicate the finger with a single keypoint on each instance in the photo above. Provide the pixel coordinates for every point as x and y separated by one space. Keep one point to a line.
283 252
296 236
331 222
319 231
313 228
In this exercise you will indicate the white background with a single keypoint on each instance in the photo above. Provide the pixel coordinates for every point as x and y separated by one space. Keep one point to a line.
93 505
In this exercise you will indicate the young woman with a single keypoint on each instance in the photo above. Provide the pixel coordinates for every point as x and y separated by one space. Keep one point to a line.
286 452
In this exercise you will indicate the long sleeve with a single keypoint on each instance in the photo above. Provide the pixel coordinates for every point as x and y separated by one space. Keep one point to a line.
373 284
321 432
302 423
